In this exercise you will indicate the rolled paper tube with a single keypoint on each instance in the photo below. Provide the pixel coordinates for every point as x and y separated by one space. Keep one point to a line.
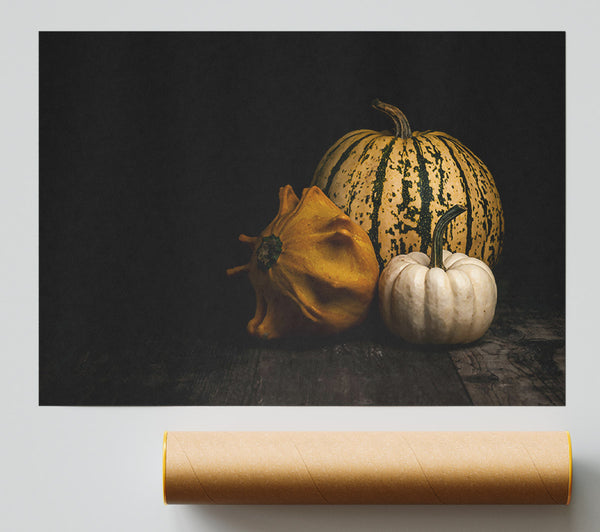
367 467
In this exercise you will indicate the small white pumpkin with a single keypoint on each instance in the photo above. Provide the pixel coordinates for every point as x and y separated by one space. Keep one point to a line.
449 299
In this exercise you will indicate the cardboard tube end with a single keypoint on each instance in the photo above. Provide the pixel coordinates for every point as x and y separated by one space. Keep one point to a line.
570 467
164 467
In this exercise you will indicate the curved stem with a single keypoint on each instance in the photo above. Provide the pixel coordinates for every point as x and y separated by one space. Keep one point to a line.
437 260
400 121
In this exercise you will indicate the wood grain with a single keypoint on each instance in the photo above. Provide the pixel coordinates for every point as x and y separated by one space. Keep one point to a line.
520 361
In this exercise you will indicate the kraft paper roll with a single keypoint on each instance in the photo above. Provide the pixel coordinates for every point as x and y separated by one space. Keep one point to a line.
367 467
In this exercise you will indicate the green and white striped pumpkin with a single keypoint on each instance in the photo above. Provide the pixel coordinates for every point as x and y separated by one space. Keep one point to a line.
396 185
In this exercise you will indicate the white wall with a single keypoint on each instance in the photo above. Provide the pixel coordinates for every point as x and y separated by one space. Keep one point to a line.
98 469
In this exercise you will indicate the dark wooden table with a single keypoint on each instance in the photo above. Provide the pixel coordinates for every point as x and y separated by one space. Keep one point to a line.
520 361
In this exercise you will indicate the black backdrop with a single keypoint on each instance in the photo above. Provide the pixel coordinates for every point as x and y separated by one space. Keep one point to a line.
158 149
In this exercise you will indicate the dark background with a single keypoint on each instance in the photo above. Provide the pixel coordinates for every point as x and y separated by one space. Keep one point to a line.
158 149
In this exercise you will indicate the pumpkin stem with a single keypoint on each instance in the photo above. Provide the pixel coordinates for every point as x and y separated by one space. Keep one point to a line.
268 252
400 121
437 257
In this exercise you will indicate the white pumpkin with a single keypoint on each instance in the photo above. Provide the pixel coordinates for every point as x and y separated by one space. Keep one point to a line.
449 299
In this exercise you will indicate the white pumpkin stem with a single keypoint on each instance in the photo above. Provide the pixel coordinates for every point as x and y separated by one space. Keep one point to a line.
437 257
400 121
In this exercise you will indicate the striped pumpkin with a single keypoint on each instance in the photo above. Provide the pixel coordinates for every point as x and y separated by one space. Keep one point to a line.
397 185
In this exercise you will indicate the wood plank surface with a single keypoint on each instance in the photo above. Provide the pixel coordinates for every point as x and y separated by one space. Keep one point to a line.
520 361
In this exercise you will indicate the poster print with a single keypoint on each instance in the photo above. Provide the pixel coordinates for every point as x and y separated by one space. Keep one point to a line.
157 150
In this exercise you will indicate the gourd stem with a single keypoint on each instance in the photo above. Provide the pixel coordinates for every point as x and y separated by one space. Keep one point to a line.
437 257
400 121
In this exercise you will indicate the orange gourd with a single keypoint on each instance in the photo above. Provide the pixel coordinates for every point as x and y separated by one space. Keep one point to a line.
314 271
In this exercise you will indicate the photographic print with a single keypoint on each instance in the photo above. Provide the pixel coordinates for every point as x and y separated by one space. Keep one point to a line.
302 218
